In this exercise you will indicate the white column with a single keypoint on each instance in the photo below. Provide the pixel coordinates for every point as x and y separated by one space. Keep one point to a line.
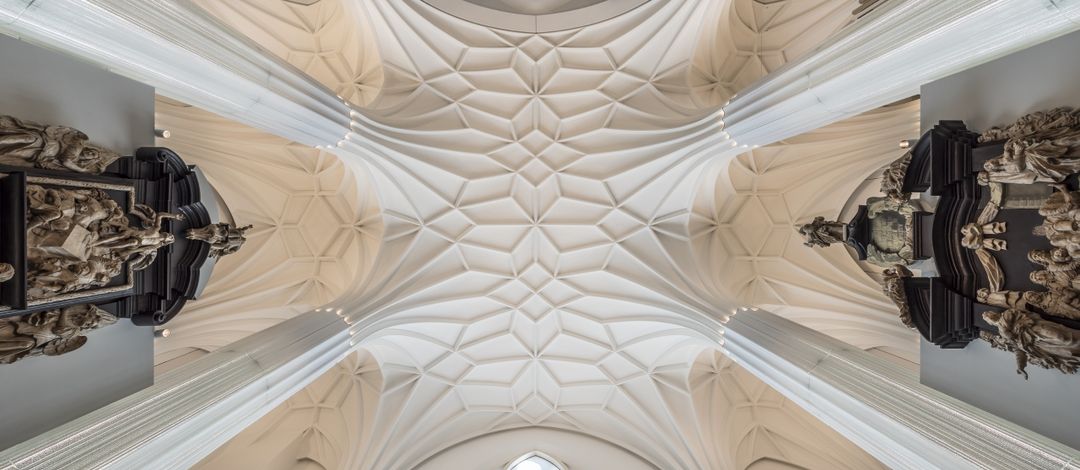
888 55
188 55
881 406
196 408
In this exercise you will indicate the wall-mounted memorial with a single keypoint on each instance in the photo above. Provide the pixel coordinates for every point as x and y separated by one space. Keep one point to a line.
1002 245
88 236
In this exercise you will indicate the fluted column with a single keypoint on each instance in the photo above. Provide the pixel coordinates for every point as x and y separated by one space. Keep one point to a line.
188 55
881 406
886 56
195 408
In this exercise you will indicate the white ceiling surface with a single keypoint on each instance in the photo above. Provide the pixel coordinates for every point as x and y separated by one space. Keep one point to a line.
749 213
321 38
751 38
539 263
316 228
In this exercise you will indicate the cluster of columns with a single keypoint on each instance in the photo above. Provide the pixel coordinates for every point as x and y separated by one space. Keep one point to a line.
882 57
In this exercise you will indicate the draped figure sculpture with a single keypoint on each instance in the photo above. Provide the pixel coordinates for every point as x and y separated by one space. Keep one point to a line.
1029 337
79 239
1040 147
223 238
49 333
27 143
822 233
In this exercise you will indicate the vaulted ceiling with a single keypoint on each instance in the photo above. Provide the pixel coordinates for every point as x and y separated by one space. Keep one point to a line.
538 255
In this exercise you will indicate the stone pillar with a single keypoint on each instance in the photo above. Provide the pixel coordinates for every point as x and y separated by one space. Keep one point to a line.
196 408
888 55
881 406
186 54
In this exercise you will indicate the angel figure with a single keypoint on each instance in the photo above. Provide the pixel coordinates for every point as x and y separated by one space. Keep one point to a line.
1029 336
27 143
140 246
49 333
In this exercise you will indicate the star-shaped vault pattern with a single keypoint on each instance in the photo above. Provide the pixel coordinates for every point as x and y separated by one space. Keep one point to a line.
746 219
316 229
540 261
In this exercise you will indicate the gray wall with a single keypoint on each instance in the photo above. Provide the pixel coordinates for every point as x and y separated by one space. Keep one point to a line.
995 93
39 393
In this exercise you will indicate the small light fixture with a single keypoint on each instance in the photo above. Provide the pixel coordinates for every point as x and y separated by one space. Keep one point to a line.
162 333
163 133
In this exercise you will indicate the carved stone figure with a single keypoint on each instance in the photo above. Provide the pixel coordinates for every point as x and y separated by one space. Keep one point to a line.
7 272
1060 236
893 288
1058 302
974 236
138 245
1059 269
822 233
223 238
79 239
1002 298
1051 123
1039 147
27 143
892 179
1031 337
49 333
1062 203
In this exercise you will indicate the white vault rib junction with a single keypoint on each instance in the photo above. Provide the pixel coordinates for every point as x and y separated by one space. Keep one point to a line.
431 199
534 191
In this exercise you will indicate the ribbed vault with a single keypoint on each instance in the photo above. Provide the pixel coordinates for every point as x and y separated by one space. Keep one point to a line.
541 258
749 212
317 228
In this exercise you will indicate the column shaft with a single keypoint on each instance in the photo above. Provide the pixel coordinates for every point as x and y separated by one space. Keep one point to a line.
186 54
887 56
881 406
192 410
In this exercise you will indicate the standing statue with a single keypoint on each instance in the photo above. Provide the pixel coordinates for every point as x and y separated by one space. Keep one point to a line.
27 143
822 233
223 238
893 287
1030 337
1039 147
49 333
